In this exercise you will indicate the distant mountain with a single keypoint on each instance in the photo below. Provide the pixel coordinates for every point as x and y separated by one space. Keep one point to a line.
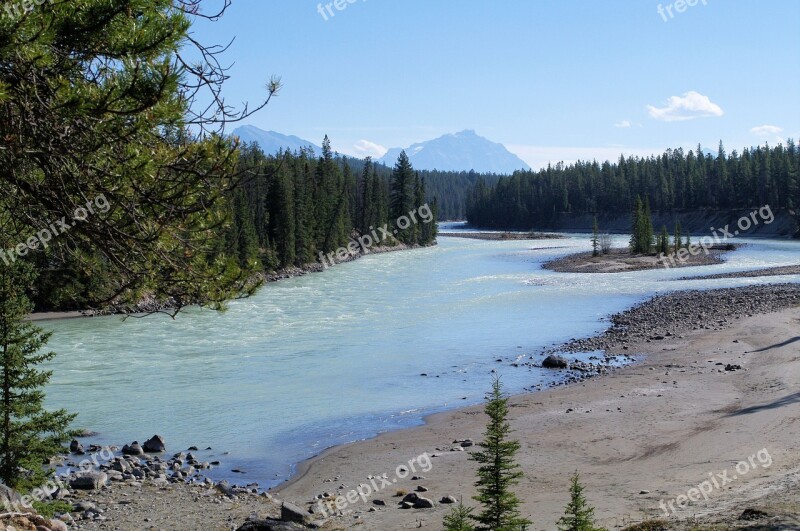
272 142
462 151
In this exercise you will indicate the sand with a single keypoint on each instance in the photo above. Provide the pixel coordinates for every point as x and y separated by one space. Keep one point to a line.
644 434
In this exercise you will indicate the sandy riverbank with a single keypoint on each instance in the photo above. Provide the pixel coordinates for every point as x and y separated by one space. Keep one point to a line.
643 434
620 260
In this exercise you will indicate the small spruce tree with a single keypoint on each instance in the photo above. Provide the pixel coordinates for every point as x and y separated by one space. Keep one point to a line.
595 238
459 518
498 471
578 516
29 435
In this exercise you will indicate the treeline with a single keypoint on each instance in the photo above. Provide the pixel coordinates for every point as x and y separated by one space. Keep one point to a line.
291 207
673 181
450 188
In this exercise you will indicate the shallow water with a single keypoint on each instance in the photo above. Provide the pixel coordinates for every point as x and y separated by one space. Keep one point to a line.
337 356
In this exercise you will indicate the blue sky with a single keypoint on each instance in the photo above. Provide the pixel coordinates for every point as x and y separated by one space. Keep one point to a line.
552 80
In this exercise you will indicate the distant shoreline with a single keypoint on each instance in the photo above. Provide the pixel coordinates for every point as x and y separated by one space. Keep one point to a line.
504 236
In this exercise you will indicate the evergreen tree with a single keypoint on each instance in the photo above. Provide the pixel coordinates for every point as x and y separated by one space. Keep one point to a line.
595 238
402 196
367 199
29 435
647 228
636 226
664 241
678 240
459 518
98 99
419 200
498 471
578 516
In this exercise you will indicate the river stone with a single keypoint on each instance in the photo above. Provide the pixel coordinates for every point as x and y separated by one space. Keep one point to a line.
555 362
293 513
423 503
76 447
133 449
448 500
155 445
89 481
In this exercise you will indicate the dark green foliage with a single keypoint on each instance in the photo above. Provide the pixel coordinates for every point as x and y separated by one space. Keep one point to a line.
663 241
401 200
641 228
498 472
674 181
578 516
595 238
29 435
459 518
677 242
90 107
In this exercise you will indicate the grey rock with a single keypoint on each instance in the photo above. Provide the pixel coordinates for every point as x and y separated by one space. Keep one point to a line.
292 513
133 449
155 445
89 481
555 362
423 503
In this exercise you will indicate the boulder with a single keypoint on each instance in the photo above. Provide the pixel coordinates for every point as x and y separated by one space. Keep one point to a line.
292 513
423 503
89 481
555 362
9 497
448 500
133 449
75 447
155 445
410 498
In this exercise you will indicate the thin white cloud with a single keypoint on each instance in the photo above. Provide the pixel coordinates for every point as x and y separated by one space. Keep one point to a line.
539 157
365 148
624 124
689 106
766 130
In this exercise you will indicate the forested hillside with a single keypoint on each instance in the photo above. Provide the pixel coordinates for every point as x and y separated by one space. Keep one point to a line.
284 211
674 181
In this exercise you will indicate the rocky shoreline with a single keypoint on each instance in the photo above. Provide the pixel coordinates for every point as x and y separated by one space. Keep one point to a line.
140 486
673 314
767 272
